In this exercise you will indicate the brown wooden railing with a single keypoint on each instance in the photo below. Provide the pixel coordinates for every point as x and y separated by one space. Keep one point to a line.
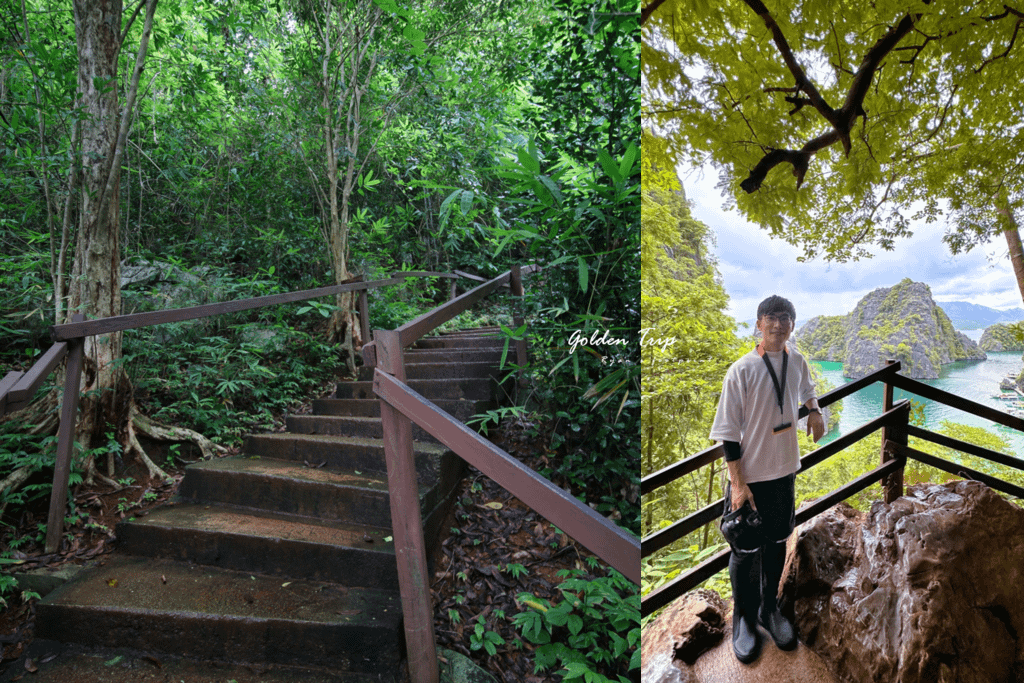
895 423
17 388
400 407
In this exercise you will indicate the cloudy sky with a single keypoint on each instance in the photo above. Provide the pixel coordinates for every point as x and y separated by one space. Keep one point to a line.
754 266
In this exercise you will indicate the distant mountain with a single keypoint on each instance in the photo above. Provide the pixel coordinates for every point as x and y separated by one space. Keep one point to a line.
901 322
968 316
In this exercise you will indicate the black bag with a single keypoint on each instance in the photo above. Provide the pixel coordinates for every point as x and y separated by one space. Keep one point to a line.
742 528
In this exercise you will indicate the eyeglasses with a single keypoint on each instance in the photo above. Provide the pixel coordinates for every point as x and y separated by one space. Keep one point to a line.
784 318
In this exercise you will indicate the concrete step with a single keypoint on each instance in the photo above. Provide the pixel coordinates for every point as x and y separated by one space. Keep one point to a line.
448 370
461 342
486 355
340 425
214 614
54 662
459 389
345 453
360 407
265 542
287 487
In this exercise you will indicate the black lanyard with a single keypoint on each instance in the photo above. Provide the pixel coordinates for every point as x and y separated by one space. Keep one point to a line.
780 389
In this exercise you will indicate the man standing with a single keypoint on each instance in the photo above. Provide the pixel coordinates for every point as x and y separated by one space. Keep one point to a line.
755 422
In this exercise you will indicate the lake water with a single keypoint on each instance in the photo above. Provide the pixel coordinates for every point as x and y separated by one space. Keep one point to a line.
974 380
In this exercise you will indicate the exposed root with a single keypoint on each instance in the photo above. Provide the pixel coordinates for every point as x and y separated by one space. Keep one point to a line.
13 481
141 424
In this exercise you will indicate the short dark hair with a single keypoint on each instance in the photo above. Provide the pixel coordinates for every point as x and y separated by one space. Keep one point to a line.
776 304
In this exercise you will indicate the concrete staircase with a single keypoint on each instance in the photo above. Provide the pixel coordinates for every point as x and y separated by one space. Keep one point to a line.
283 555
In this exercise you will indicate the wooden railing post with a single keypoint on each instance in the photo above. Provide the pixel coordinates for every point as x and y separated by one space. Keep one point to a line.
892 484
516 288
65 441
453 292
406 523
364 316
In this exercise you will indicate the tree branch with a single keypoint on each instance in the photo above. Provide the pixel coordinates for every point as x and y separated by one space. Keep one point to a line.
842 119
648 10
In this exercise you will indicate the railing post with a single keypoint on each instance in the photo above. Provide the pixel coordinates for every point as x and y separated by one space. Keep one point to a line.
406 523
893 484
364 316
516 288
65 441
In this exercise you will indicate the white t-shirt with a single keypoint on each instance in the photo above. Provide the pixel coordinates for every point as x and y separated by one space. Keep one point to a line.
748 412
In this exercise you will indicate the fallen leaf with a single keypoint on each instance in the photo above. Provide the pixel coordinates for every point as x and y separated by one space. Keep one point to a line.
494 505
48 657
30 666
163 578
388 539
112 583
286 584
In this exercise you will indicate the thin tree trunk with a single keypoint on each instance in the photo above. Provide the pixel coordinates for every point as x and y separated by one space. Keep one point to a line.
1012 232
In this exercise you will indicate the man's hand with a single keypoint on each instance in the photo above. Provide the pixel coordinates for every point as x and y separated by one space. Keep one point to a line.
741 494
815 424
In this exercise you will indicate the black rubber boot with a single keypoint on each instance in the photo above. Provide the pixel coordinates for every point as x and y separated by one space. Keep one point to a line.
744 572
773 558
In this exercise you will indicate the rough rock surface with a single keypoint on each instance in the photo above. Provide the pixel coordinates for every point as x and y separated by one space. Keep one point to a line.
901 322
929 589
686 629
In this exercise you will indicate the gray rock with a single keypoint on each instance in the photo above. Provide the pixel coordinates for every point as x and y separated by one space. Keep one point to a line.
901 322
458 668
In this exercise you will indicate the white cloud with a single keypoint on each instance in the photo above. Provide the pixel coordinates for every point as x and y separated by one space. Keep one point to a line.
754 266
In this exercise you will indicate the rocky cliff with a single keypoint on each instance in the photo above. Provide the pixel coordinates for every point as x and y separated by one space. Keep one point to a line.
901 322
1003 337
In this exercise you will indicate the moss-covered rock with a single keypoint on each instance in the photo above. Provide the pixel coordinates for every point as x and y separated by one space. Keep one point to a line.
901 322
1003 337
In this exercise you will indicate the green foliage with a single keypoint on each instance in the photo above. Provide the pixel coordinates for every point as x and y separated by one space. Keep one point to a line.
935 122
589 633
483 639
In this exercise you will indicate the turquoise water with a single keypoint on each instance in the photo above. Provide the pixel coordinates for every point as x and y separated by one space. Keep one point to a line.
974 380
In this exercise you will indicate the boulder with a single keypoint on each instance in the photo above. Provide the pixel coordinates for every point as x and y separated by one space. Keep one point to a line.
928 589
683 631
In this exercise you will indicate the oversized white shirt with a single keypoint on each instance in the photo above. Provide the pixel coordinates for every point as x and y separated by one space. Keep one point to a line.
748 412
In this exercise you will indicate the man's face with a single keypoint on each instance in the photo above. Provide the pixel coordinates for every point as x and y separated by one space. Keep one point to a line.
775 329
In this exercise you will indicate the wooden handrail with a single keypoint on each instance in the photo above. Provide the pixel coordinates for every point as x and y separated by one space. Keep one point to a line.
411 331
952 400
604 538
19 395
961 470
119 323
963 446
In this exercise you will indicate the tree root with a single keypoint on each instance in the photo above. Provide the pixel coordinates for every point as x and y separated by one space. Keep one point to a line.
141 424
14 480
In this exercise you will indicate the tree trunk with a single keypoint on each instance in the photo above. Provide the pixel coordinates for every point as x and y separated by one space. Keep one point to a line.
96 272
1012 232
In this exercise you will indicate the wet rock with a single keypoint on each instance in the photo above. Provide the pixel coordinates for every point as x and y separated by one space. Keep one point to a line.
928 589
687 628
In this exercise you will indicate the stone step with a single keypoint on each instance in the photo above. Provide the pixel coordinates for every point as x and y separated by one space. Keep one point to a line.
462 342
360 407
459 389
341 425
345 453
162 606
54 662
291 488
488 355
265 542
447 370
